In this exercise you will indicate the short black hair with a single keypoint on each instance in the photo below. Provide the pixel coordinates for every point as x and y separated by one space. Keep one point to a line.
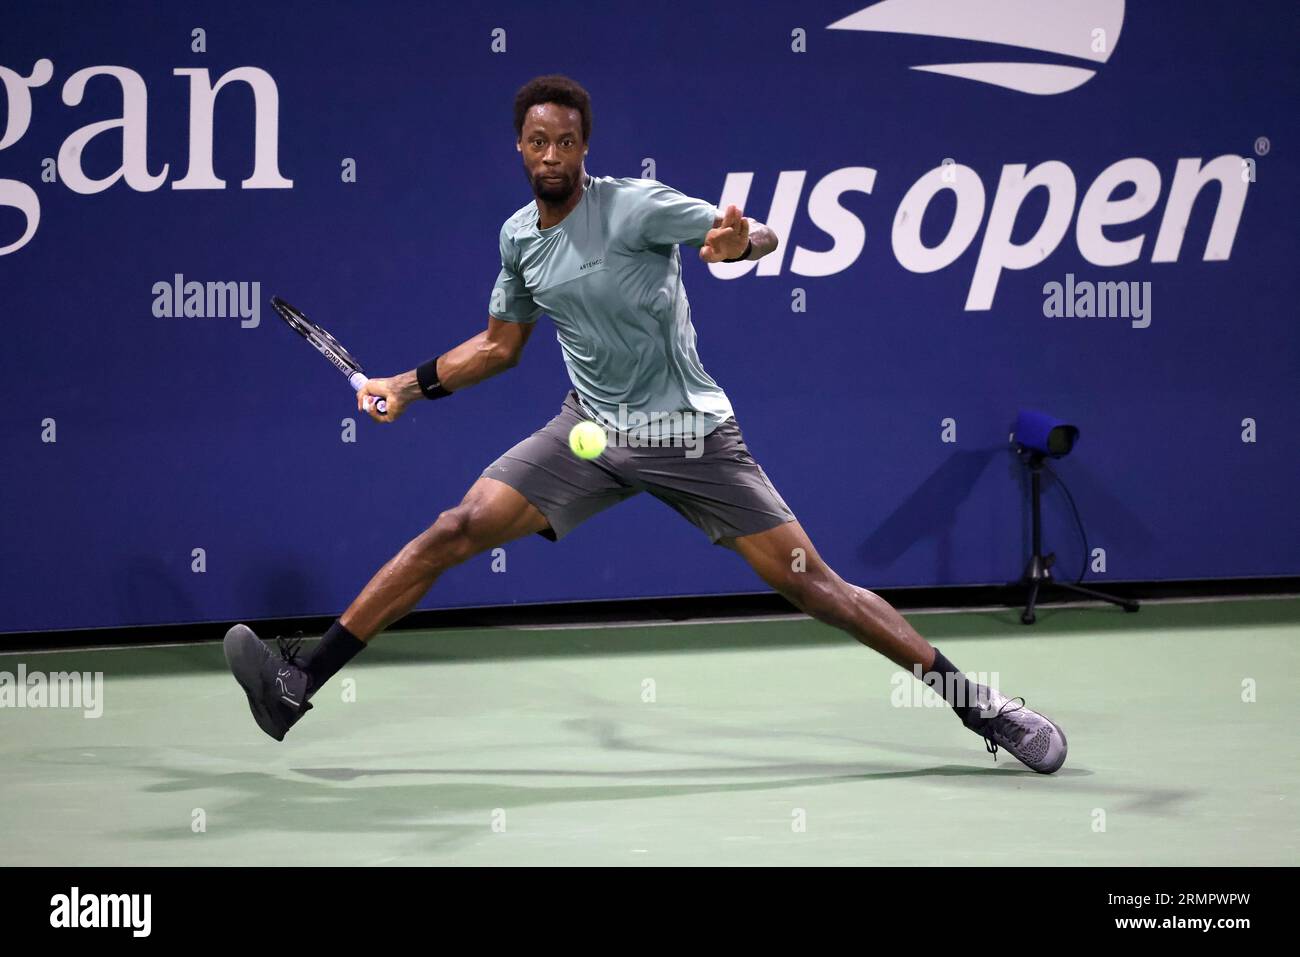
553 88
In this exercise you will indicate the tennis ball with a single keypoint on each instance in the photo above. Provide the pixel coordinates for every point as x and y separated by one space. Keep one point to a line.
587 439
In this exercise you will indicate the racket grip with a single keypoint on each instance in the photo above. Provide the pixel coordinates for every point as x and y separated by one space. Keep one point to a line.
358 382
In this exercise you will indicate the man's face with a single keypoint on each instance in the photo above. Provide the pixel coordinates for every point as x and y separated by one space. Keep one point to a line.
552 146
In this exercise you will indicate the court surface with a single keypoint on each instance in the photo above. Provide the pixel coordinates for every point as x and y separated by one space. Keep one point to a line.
738 742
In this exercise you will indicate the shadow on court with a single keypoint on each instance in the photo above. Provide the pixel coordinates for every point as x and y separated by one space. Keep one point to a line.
328 800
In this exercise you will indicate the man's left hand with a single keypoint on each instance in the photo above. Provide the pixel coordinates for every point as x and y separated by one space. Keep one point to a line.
727 240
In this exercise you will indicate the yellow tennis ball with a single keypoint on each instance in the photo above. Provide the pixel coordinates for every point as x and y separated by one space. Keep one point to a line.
587 439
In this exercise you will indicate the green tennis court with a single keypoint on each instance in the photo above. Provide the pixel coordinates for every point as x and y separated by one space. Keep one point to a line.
723 742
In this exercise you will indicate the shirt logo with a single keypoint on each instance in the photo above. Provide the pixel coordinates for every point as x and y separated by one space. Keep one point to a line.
594 262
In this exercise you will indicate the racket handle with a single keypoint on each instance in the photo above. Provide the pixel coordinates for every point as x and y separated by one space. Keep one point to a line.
358 382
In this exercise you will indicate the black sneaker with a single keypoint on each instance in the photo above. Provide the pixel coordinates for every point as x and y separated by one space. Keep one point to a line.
1032 739
277 688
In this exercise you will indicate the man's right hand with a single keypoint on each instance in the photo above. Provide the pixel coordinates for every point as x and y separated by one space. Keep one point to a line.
398 392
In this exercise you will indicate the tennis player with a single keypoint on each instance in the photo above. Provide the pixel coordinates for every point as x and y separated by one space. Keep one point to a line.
601 257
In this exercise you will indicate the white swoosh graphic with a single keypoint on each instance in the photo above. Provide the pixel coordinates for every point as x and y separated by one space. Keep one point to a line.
1062 27
1042 79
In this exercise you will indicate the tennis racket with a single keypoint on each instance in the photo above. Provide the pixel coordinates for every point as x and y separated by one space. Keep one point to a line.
327 346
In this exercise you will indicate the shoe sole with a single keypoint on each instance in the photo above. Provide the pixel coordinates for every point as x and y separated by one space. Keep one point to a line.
245 655
1065 747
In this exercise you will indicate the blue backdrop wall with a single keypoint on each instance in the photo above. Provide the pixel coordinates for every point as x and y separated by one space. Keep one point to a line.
876 362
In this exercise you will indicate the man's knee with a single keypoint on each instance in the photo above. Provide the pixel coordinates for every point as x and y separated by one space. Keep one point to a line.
458 534
818 595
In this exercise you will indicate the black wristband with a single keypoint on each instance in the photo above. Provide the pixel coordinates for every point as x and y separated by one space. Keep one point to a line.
745 255
426 373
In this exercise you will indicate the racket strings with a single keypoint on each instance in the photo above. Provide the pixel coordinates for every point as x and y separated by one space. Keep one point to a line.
299 322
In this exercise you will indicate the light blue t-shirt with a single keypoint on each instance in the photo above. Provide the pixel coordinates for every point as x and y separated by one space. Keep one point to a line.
610 277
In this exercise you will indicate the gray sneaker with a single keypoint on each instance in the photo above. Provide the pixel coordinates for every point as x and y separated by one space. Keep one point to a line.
277 687
1032 739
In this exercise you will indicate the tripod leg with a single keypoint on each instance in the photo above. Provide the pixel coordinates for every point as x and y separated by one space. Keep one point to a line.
1125 603
1028 617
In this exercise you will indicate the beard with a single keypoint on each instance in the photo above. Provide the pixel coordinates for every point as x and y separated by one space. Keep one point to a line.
554 192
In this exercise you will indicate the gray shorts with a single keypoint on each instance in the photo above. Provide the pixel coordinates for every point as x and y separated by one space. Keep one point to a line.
716 485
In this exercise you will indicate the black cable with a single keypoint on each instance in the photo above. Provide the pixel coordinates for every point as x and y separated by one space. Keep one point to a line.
1077 520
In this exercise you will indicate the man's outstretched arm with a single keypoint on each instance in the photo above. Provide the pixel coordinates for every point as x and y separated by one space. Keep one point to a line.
732 234
493 350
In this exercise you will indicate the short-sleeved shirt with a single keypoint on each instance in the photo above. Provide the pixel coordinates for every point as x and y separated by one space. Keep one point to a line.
610 277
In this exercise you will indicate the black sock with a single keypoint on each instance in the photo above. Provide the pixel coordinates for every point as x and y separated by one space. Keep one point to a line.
336 649
951 685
